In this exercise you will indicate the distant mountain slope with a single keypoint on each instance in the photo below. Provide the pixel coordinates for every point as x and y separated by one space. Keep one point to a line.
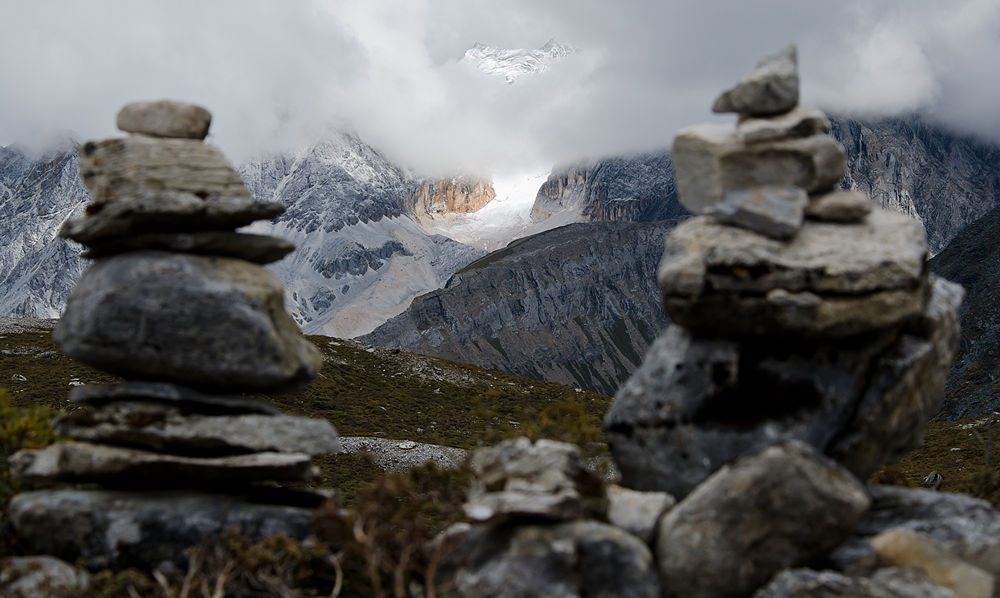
577 304
972 259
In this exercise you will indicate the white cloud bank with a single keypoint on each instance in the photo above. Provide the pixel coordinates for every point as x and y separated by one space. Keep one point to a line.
277 75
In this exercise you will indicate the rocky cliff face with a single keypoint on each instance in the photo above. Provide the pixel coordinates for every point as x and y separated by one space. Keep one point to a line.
972 259
38 193
577 304
459 195
625 189
903 164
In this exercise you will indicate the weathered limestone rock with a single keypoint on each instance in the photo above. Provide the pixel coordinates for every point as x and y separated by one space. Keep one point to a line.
637 512
731 281
200 321
772 87
84 462
127 166
544 479
801 121
171 394
901 547
752 519
839 206
697 403
967 527
166 429
774 212
884 583
161 211
165 118
34 576
710 160
258 249
569 560
141 529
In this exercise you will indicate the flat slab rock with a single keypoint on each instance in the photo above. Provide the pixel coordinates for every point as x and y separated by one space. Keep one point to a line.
258 249
203 322
84 462
697 403
801 121
839 206
187 399
562 560
159 211
829 280
127 166
772 87
141 529
165 118
167 429
754 518
519 479
775 212
711 159
889 582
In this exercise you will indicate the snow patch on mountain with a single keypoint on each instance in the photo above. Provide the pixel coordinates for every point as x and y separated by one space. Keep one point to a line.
511 64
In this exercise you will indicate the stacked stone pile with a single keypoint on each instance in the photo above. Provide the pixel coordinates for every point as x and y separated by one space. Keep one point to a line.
178 304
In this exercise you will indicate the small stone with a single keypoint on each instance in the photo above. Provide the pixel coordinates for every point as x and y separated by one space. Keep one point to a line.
901 547
569 560
164 392
32 576
165 211
772 87
83 462
204 322
128 166
775 212
802 121
637 512
165 118
518 478
166 429
141 529
731 281
258 249
781 508
710 160
839 206
890 582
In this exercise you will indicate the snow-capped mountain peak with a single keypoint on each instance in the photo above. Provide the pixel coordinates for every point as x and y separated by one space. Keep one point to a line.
512 64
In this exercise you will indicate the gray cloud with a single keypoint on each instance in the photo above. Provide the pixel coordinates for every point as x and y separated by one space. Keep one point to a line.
278 75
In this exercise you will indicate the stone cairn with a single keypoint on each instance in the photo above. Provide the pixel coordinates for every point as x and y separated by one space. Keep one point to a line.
809 347
177 303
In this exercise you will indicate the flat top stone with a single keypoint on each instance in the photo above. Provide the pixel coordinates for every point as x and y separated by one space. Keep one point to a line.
886 251
259 249
772 87
801 121
165 118
165 392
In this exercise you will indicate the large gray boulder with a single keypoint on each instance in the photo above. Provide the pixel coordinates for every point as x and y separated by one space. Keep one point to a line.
127 166
112 223
519 479
85 462
168 429
711 159
732 281
204 322
783 507
165 118
141 529
568 560
772 87
696 403
890 582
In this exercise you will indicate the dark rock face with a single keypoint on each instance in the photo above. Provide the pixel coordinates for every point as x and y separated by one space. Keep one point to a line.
359 260
973 259
629 189
141 529
577 305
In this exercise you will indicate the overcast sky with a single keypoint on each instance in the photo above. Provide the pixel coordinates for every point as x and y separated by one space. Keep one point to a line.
279 74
